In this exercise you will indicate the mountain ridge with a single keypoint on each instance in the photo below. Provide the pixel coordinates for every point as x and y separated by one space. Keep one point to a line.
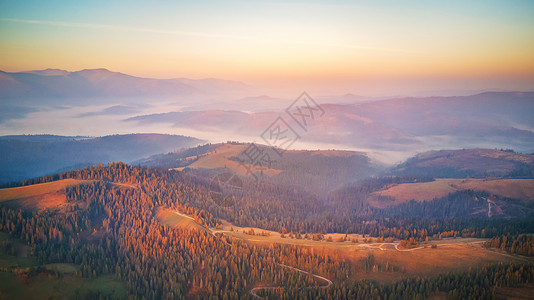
486 120
36 155
103 82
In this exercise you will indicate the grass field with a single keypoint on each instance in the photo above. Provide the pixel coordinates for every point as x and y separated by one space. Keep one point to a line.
36 189
220 159
39 196
449 254
522 189
42 196
458 254
167 216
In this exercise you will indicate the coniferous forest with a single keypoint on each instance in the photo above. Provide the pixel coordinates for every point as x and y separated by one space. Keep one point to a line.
266 149
108 227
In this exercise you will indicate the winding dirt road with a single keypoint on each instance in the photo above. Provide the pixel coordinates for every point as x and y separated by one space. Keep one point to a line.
254 291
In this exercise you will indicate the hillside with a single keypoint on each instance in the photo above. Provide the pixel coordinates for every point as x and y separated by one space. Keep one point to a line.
406 125
468 163
520 189
122 222
315 171
50 195
394 128
28 156
170 217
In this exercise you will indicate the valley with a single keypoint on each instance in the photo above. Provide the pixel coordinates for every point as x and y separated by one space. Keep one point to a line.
445 255
177 200
238 150
381 259
336 217
310 223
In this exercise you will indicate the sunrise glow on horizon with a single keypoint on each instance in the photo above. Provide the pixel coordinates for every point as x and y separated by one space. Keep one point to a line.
476 44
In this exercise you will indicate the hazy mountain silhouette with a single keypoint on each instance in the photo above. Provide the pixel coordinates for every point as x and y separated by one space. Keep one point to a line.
468 163
27 156
93 83
487 120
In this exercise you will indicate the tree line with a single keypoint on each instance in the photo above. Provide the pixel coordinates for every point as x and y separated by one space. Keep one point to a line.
107 228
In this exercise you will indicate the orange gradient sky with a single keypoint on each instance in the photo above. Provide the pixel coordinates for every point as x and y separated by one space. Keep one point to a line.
367 46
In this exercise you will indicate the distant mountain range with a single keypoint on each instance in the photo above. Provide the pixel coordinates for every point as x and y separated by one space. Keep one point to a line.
487 120
54 84
22 93
28 156
99 99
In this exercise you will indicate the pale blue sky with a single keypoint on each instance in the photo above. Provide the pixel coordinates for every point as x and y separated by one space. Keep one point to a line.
269 41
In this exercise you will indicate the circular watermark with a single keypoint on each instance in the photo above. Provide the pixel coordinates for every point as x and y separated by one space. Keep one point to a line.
225 188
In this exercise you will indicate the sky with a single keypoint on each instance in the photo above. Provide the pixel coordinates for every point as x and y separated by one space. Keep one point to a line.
366 47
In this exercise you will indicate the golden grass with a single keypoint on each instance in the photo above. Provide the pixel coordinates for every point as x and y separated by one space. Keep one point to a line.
39 196
445 258
522 189
173 218
220 159
450 254
458 254
43 201
36 189
524 158
418 191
